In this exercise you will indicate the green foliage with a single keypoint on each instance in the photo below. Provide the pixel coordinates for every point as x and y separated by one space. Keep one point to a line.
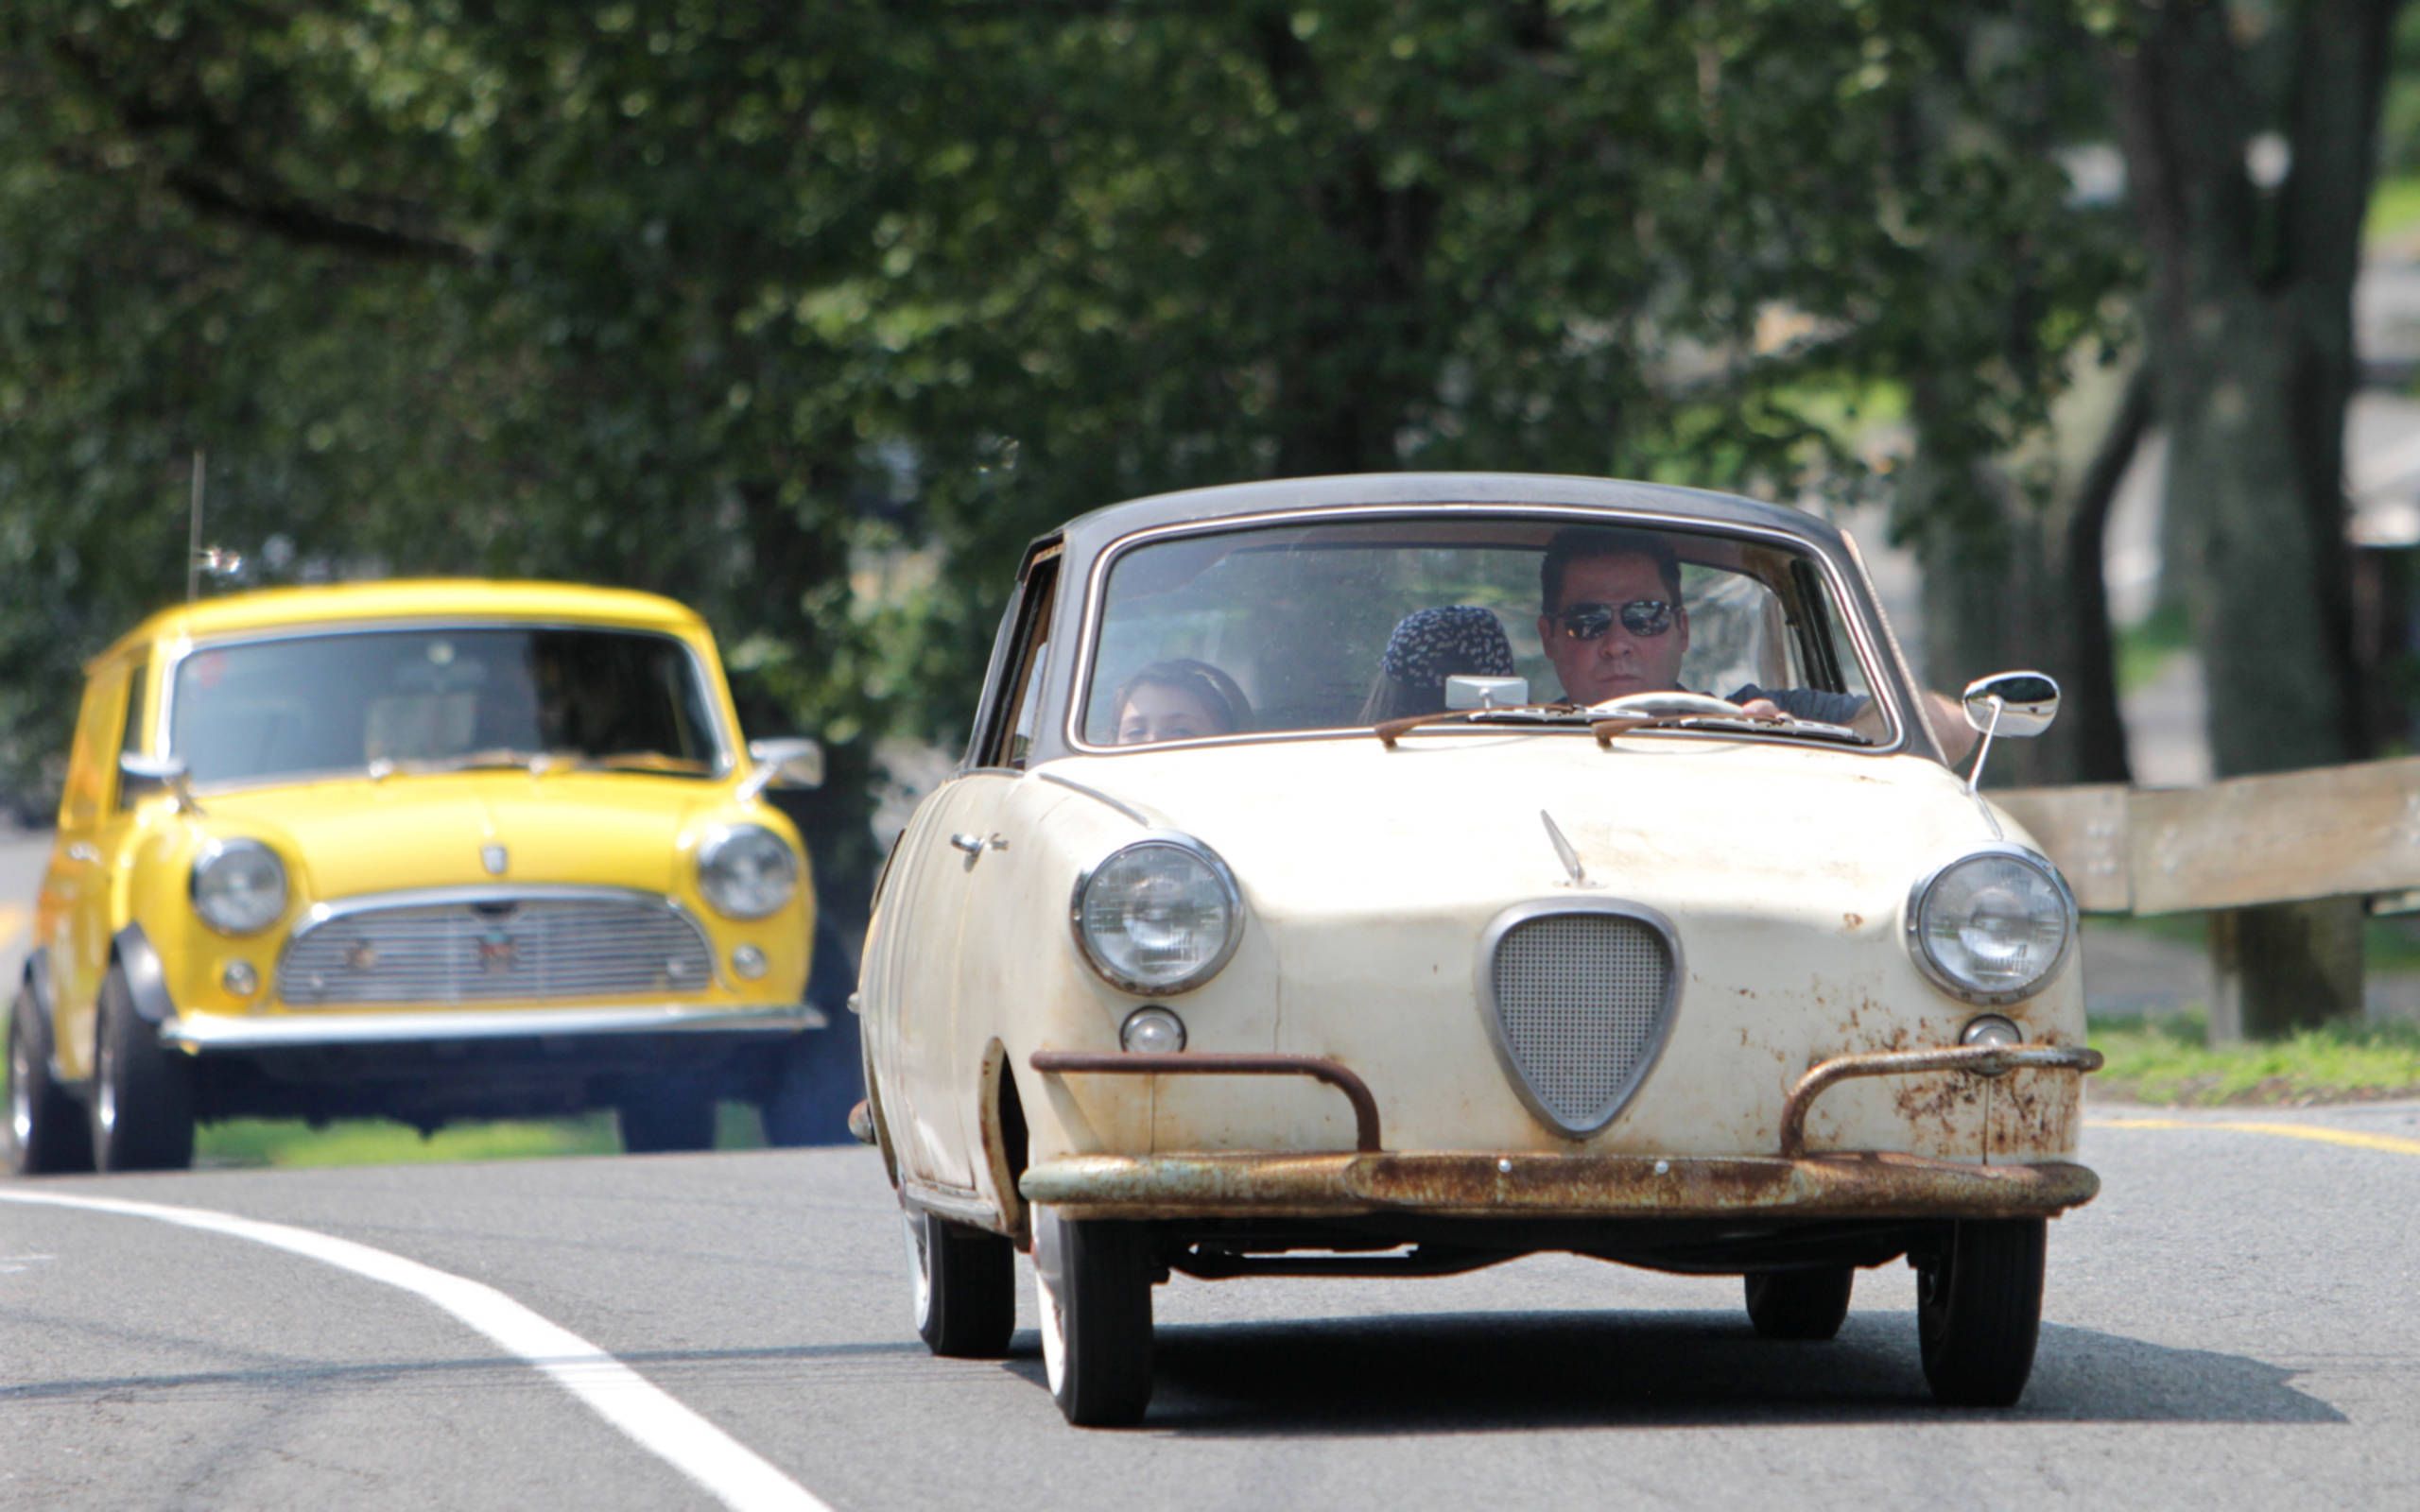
376 1141
742 302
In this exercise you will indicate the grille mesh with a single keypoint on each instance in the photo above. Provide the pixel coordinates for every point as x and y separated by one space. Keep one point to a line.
526 950
1581 998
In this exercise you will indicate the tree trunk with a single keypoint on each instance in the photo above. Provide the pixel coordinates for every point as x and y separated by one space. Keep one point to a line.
2250 325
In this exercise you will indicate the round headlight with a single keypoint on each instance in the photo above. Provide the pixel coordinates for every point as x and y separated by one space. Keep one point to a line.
746 870
1161 915
239 887
1993 927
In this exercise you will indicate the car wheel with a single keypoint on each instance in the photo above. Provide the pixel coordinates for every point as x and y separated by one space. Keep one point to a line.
47 1134
1978 1311
966 1294
1800 1304
1092 1282
141 1112
818 1082
666 1118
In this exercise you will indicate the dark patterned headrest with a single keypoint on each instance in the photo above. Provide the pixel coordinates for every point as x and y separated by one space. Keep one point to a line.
1429 646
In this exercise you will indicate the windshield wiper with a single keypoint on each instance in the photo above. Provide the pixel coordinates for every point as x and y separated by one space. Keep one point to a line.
536 763
1605 730
1390 730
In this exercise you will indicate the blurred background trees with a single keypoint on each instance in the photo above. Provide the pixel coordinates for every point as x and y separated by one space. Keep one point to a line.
811 316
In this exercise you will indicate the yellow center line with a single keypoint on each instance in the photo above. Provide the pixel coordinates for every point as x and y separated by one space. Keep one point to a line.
2292 1131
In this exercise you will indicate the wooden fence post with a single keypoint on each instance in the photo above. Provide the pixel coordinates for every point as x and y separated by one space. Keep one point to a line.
2282 966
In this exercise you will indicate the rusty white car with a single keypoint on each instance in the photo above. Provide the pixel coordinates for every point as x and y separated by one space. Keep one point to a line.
1399 875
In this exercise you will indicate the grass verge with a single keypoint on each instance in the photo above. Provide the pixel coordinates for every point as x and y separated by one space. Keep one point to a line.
2169 1062
258 1142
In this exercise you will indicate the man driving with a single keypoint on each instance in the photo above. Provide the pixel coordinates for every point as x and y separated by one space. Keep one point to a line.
1614 625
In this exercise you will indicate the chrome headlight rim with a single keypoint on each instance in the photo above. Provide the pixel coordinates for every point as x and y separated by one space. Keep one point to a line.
1176 840
1966 991
212 854
710 850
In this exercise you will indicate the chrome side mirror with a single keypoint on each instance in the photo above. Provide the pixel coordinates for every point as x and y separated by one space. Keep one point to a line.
795 763
2008 703
161 772
2013 703
1463 691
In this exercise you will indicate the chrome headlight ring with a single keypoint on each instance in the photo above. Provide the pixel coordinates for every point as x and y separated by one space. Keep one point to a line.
238 887
745 871
1198 895
1933 933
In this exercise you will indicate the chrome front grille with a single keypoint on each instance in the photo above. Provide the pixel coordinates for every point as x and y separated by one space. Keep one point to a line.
1580 1002
496 948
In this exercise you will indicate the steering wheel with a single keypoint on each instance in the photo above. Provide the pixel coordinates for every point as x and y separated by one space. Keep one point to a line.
1669 705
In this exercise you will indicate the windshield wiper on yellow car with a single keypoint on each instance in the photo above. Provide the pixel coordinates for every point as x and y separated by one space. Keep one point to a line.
1390 730
647 760
536 763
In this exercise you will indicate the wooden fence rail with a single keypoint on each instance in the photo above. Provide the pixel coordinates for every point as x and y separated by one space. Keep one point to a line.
2333 832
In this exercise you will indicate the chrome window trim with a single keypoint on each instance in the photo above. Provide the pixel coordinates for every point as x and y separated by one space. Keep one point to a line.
176 653
1522 913
1097 587
1911 934
1218 867
341 908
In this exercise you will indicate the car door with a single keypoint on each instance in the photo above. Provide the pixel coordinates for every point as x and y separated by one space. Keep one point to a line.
75 922
919 1041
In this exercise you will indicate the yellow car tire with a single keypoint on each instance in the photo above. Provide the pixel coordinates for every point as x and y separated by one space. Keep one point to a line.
47 1135
141 1099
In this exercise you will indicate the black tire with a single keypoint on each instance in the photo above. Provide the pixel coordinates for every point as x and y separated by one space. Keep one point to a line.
1978 1311
142 1101
966 1287
818 1084
47 1134
1800 1304
1092 1282
663 1120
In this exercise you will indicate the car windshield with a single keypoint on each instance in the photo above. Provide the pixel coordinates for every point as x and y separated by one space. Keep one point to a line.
418 698
1348 624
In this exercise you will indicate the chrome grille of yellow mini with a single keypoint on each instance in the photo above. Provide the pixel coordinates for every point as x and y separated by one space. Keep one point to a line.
1580 1001
497 950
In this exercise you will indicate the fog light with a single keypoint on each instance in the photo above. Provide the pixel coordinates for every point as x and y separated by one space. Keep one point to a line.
1993 1032
748 961
1152 1032
241 979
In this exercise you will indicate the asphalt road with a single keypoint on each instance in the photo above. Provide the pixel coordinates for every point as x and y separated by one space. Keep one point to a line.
2234 1323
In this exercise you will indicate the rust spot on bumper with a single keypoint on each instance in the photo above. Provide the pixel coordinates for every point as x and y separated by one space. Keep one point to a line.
1982 1061
1559 1185
1355 1090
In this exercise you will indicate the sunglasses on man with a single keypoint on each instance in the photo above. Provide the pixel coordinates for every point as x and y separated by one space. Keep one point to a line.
1645 617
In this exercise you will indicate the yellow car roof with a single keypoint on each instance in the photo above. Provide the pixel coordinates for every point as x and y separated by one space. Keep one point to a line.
423 598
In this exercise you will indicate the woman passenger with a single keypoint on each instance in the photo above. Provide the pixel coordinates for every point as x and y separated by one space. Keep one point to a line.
1179 700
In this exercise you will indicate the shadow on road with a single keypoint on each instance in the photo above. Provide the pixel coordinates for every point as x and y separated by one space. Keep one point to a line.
1475 1372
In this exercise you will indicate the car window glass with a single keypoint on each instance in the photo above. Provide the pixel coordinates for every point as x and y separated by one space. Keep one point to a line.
90 762
337 702
1290 626
1015 720
130 732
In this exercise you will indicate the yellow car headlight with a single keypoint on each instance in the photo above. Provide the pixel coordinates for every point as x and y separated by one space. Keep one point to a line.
745 871
239 887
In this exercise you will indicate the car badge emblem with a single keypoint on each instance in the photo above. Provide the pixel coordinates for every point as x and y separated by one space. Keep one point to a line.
494 858
497 952
360 955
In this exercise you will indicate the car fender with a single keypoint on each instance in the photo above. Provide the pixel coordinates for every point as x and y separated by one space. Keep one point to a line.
147 980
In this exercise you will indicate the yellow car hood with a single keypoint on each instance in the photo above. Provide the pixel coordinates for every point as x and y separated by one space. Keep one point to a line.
406 832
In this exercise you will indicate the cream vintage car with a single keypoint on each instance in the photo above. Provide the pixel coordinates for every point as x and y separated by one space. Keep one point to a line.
428 849
1398 875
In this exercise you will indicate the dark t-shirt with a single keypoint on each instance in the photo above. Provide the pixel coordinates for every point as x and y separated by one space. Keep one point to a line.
1808 703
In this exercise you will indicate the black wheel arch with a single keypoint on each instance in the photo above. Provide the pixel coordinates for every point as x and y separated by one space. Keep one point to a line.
146 977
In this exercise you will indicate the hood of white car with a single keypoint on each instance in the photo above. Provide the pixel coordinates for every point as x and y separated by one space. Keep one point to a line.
1681 821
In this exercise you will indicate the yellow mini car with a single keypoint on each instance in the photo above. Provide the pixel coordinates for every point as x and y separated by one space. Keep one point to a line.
430 850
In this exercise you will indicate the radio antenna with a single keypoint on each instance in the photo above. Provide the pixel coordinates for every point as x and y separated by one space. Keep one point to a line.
193 534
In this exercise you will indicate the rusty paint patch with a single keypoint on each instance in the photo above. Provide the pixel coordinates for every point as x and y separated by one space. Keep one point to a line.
1853 920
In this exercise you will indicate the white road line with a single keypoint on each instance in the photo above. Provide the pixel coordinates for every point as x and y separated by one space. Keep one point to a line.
657 1423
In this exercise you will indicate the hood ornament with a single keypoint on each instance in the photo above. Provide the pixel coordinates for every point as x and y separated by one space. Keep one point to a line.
1570 857
494 858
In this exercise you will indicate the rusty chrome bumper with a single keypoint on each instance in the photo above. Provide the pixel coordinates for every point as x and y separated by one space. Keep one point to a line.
1792 1183
1552 1186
